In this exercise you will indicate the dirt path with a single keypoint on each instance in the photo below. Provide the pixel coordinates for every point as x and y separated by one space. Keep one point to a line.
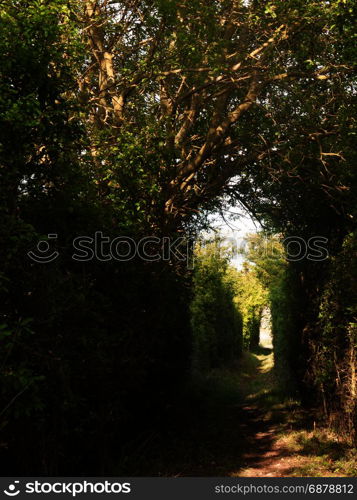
236 423
280 439
263 418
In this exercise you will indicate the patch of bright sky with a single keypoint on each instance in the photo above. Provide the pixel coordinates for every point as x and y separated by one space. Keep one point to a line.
233 226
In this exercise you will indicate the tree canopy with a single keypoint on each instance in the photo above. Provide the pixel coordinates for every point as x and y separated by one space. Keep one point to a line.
137 118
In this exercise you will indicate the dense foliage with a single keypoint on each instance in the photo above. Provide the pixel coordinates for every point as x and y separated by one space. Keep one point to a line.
215 318
251 298
274 274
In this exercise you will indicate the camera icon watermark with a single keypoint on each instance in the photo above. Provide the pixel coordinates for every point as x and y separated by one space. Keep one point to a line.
42 254
12 490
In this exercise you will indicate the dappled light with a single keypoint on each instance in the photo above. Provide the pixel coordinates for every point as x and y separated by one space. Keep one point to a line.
178 207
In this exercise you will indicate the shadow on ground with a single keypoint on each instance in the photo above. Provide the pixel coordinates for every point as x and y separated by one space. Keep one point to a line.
219 427
262 350
235 423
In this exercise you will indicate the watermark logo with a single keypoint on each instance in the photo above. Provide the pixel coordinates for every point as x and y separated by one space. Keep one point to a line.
68 488
43 254
12 490
102 248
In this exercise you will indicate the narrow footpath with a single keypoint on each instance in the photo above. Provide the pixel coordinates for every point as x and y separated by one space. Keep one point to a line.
236 423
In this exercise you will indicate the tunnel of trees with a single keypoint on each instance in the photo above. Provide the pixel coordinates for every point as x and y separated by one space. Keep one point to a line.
138 119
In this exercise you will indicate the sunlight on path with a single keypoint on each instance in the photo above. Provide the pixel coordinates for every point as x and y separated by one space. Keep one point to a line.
266 339
242 426
282 438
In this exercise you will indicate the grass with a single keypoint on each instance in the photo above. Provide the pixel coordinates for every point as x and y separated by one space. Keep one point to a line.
321 452
236 422
314 450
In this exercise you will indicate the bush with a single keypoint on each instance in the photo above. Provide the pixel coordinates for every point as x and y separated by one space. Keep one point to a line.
215 319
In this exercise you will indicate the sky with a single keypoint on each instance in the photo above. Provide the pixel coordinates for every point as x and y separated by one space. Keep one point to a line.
234 226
